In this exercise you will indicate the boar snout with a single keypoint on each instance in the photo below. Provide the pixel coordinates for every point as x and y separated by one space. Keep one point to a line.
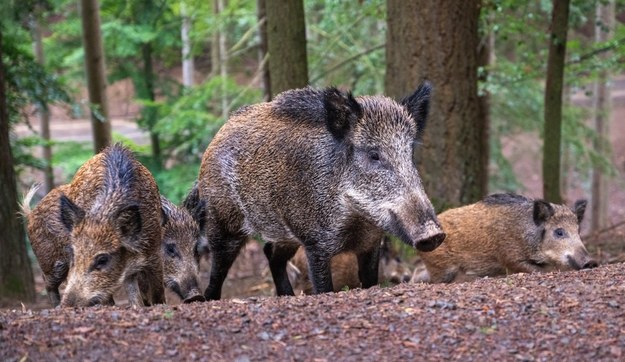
585 262
424 236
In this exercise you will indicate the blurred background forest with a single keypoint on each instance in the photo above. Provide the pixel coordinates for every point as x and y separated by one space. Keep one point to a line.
162 76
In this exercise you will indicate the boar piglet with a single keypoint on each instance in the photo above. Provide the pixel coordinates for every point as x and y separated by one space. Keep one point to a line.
182 239
101 231
321 169
504 234
51 244
344 267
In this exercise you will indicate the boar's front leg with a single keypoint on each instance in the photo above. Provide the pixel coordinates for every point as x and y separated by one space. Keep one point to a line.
223 252
59 274
319 270
278 255
368 267
154 289
131 284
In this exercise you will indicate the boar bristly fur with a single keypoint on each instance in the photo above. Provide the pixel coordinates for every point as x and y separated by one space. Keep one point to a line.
182 239
318 168
101 231
505 234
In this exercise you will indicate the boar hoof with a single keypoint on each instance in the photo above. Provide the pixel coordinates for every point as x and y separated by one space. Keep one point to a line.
430 243
195 298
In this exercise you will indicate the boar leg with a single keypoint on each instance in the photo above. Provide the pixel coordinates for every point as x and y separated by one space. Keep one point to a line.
368 267
132 289
278 255
319 270
59 274
223 253
154 288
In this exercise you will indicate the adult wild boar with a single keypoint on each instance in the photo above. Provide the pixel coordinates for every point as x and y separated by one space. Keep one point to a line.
182 236
111 215
504 234
317 168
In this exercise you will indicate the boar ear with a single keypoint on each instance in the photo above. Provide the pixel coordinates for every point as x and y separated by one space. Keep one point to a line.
199 215
129 222
542 211
418 105
71 214
579 209
165 211
342 112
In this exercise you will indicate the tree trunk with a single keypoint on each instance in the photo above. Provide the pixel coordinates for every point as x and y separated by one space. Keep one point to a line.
553 101
602 106
187 58
286 41
16 275
96 73
149 112
443 45
44 112
263 51
223 63
485 58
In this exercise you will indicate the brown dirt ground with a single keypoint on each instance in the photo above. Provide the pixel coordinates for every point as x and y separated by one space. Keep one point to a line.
525 317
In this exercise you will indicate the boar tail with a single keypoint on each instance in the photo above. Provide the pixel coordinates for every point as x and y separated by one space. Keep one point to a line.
25 205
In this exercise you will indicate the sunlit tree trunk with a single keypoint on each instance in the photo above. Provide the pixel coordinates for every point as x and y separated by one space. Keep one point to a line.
602 105
263 52
188 68
486 58
223 62
16 276
96 73
286 41
438 41
149 112
553 101
44 112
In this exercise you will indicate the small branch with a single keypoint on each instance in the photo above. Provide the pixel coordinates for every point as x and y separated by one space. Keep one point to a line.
595 234
347 61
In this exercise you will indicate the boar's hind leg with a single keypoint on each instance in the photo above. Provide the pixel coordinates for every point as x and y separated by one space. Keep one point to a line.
223 252
59 274
368 267
278 255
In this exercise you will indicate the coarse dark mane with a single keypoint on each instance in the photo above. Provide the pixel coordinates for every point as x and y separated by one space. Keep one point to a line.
507 198
120 168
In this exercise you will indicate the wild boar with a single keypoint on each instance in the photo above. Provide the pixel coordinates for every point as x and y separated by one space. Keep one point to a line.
505 234
182 236
318 168
101 230
182 239
344 267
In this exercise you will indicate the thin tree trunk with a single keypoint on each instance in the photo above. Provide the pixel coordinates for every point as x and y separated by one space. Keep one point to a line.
286 41
553 101
44 112
263 49
486 58
223 63
16 275
149 111
96 73
602 106
439 41
187 58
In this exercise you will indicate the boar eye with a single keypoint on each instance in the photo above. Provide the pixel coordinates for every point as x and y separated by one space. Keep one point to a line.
374 155
171 250
101 261
559 233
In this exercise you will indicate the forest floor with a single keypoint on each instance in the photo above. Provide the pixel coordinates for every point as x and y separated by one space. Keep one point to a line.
556 316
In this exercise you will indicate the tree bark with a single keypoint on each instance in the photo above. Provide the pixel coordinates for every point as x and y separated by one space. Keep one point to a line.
223 63
602 106
553 101
149 112
286 41
44 112
16 275
96 73
188 68
438 41
263 50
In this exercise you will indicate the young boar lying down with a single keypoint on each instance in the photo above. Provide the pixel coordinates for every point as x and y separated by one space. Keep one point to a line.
504 234
54 243
344 268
